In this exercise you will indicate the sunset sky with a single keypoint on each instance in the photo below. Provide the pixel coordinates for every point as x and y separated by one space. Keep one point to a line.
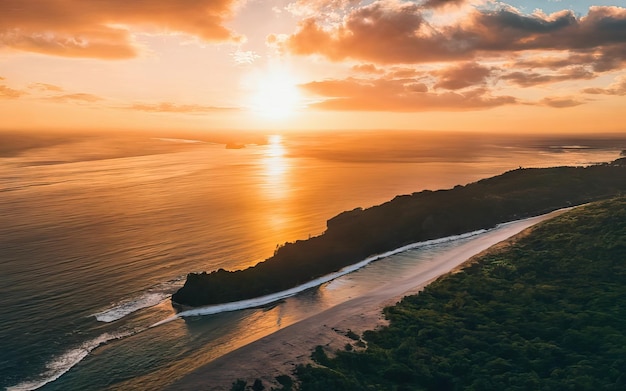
545 65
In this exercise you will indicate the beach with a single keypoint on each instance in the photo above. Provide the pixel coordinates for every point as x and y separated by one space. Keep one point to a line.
279 353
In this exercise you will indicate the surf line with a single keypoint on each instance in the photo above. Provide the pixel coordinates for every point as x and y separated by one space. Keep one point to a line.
274 297
61 364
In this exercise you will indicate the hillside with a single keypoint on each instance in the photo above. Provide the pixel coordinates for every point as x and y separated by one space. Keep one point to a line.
546 313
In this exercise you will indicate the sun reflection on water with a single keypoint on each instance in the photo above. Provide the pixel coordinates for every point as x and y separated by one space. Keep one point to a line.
276 167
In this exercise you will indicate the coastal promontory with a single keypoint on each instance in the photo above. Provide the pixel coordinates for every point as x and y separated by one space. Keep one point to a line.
354 235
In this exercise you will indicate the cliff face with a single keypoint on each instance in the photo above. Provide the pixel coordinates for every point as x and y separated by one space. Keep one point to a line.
352 236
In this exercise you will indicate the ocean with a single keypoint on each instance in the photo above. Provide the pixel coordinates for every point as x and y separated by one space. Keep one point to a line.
97 230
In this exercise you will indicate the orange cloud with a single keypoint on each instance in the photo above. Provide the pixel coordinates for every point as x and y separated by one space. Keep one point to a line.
10 93
367 68
45 87
317 7
76 98
434 4
101 29
54 93
555 62
168 107
398 96
404 73
461 76
617 88
387 32
560 102
527 79
382 32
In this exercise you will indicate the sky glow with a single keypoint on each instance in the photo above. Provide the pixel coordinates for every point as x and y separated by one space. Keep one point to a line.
313 64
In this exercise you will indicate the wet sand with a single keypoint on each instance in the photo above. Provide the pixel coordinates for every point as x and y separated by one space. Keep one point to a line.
279 353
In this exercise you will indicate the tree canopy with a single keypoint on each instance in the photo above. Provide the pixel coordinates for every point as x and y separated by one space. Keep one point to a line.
546 313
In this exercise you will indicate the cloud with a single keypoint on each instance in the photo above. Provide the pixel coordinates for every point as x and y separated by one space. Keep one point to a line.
555 62
168 107
560 102
435 4
610 58
404 73
367 68
329 8
385 94
382 32
391 31
48 92
102 29
527 79
9 93
74 98
245 58
462 76
45 87
617 88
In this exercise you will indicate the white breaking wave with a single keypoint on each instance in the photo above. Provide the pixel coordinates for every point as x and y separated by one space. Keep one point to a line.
274 297
63 363
121 309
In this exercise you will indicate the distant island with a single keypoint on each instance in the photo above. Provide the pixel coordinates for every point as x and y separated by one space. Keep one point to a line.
354 235
233 145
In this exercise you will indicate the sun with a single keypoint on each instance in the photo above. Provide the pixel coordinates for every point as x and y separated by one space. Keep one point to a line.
276 95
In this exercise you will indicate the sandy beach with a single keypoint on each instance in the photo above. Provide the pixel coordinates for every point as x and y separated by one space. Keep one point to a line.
280 352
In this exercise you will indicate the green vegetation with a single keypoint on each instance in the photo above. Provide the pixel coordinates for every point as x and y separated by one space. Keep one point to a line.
546 313
286 384
352 335
353 236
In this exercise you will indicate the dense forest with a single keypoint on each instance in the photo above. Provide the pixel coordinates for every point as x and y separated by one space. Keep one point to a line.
353 236
545 313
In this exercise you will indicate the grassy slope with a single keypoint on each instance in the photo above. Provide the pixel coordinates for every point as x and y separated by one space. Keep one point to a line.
548 313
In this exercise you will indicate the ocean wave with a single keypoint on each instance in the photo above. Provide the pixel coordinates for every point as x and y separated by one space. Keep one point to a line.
274 297
121 309
63 363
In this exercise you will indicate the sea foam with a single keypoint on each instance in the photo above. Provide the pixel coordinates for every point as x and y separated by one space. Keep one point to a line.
274 297
127 307
63 363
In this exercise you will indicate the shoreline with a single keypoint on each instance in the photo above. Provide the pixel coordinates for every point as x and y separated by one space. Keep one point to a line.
279 353
276 297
